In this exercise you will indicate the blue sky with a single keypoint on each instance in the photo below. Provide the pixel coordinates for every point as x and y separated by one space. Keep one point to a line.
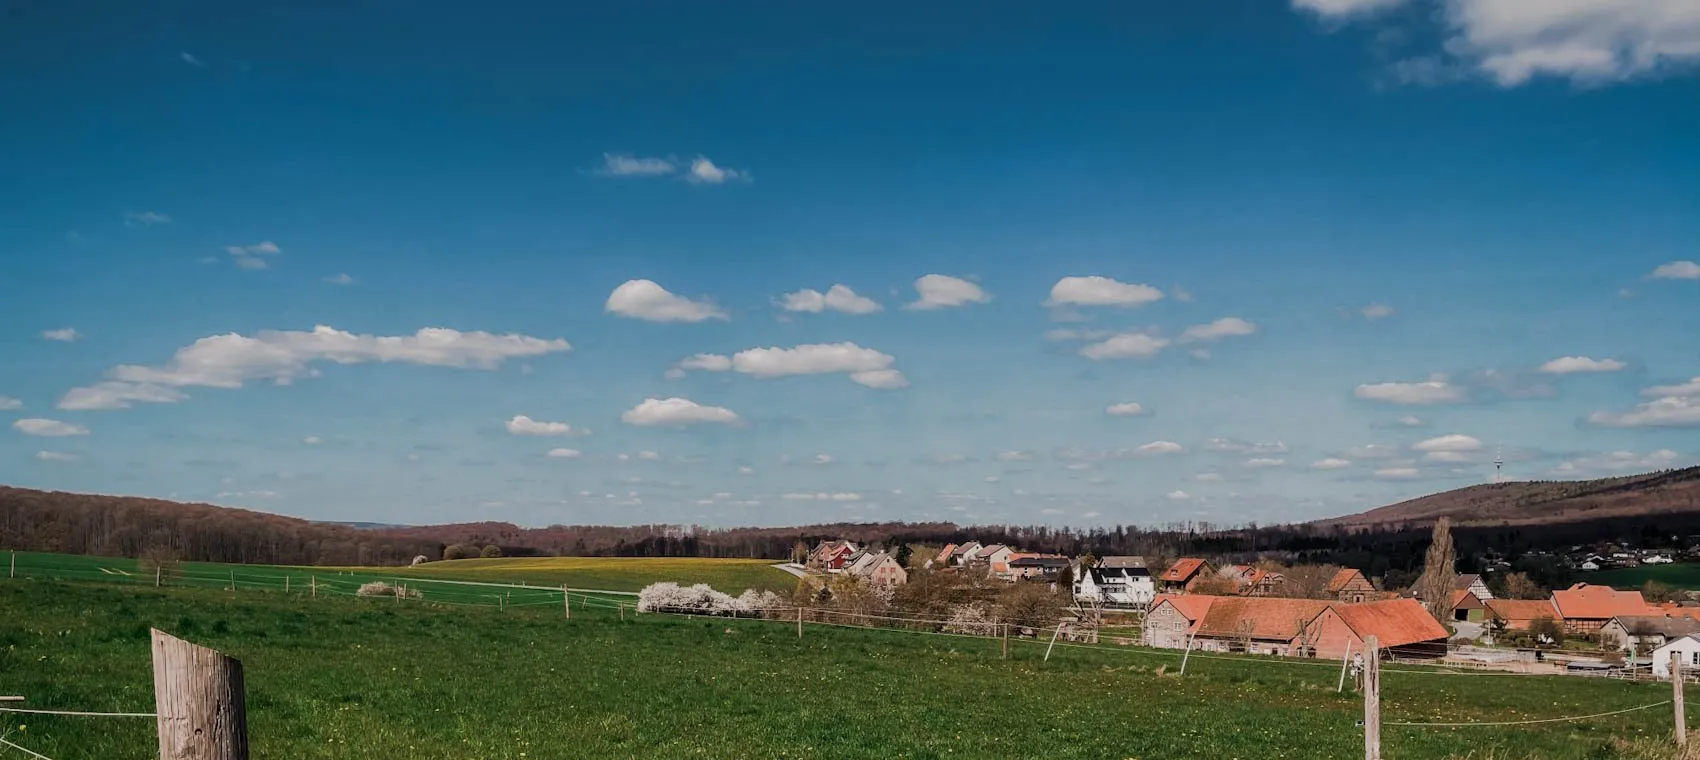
779 263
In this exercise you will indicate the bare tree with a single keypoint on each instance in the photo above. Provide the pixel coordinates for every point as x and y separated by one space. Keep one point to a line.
1521 586
1307 581
1435 585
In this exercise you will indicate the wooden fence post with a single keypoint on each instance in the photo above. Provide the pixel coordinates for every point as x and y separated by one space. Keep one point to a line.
313 585
232 580
566 602
799 622
1054 637
1188 652
1006 641
199 702
1676 699
1372 699
156 577
1344 659
285 584
14 564
622 606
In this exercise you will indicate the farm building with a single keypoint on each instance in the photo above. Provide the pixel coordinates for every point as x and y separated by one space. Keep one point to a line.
1115 585
831 556
1467 606
1402 628
1038 567
1644 633
1257 625
883 570
985 554
1182 574
1519 613
1584 608
1174 619
1470 582
1688 646
1252 581
943 558
963 552
1350 586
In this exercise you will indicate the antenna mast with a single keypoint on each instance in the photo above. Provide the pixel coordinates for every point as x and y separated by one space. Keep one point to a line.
1499 465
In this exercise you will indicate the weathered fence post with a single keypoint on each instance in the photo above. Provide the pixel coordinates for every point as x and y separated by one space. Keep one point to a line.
622 606
1188 652
285 584
199 702
799 622
1344 659
1006 641
232 580
156 573
313 586
1372 699
14 564
1676 699
1053 645
566 602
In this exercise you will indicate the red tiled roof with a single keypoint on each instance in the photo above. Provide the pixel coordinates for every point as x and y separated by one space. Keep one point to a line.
1261 617
1585 602
1183 569
1463 599
1521 609
1394 623
945 553
1342 579
1193 607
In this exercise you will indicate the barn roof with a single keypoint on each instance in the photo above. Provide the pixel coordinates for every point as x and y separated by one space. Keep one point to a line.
1394 623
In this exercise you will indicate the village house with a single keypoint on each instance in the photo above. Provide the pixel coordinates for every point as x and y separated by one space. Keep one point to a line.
1474 584
831 556
882 570
1350 586
1121 586
1688 646
1640 634
984 554
964 552
1402 628
1175 619
1584 608
943 558
998 562
1038 567
1518 614
1252 581
1181 575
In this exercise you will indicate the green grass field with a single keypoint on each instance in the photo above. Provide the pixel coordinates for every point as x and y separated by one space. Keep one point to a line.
1682 575
348 678
455 582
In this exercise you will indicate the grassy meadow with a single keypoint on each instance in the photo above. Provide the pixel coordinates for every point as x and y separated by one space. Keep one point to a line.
346 678
1681 575
454 582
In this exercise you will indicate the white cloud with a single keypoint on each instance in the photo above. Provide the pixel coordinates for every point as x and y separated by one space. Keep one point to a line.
1208 477
55 456
48 428
821 496
644 299
1089 515
250 256
1397 473
836 298
1127 345
865 366
1372 451
1671 411
1452 442
1062 334
1257 463
1434 391
649 456
312 440
7 403
1331 463
190 59
1101 291
1376 311
523 425
938 291
746 470
230 360
1338 8
822 459
145 218
1677 270
564 454
1177 495
341 278
1156 448
676 412
64 334
1226 327
1236 446
1621 462
1128 409
1410 420
1200 354
1690 388
703 171
1566 365
628 165
1015 456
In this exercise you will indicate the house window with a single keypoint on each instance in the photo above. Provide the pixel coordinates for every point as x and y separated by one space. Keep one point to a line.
1694 658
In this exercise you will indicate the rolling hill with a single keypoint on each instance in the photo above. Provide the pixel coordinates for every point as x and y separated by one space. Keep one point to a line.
1541 502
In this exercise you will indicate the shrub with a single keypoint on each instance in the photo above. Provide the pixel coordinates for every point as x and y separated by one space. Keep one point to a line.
380 588
460 551
491 552
973 620
702 599
161 560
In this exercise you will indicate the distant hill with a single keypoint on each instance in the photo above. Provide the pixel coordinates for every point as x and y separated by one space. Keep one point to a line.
1541 502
